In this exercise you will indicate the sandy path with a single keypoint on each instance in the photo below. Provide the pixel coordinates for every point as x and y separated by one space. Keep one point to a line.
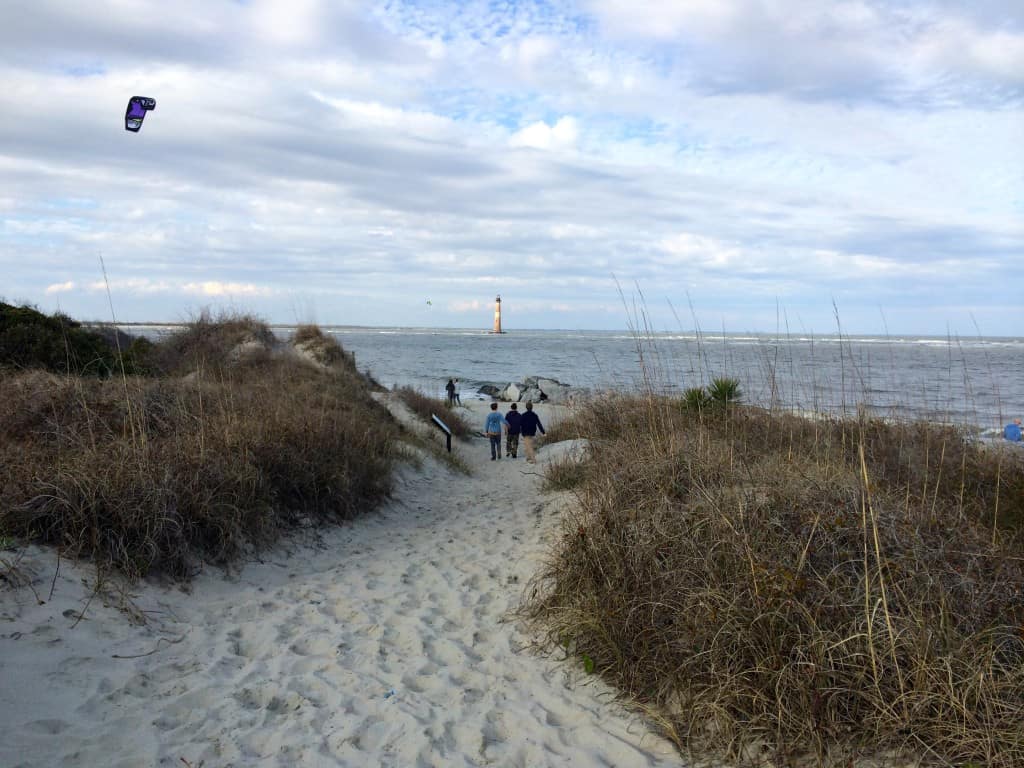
294 662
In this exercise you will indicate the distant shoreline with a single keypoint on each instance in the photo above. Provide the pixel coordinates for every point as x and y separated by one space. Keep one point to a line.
705 335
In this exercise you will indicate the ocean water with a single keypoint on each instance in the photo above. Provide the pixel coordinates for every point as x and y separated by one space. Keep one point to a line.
977 382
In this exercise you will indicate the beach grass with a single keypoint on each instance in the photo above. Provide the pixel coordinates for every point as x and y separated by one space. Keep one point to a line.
794 591
425 406
231 440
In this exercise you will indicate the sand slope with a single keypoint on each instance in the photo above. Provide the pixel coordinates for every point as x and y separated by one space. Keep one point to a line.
384 646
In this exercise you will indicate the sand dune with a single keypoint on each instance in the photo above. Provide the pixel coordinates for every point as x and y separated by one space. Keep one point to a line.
384 644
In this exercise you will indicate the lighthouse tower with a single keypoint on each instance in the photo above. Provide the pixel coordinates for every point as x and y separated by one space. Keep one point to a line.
497 315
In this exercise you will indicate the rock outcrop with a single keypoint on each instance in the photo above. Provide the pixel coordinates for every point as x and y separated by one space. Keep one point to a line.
537 389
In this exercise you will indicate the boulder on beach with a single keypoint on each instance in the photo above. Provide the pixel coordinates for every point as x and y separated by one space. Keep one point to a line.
556 391
510 393
537 389
565 450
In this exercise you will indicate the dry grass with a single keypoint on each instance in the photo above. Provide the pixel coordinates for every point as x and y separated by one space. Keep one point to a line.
424 406
159 474
796 592
213 344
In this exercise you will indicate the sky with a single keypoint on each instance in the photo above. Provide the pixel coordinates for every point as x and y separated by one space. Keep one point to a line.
737 165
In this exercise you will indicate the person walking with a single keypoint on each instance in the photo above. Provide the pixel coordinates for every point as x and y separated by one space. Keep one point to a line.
450 389
512 418
529 423
457 393
492 428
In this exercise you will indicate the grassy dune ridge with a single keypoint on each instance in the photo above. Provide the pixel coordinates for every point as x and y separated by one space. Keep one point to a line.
425 406
233 439
782 589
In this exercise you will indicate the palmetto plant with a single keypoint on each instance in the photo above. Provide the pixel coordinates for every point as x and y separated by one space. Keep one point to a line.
724 391
721 393
696 399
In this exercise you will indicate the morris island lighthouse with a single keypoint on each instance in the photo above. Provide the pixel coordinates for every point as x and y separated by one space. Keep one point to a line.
497 315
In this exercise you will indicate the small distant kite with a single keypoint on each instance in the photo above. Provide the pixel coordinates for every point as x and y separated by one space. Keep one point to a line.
138 106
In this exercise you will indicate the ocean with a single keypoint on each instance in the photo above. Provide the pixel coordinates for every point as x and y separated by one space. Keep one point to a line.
976 382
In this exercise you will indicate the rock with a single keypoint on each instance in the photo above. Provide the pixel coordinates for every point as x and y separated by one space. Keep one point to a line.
565 450
556 391
530 393
511 393
531 389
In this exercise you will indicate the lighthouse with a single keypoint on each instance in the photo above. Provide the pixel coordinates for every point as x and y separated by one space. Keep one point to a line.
497 315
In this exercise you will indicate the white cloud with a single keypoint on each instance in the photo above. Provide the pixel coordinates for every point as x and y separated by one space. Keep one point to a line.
292 23
700 251
562 135
740 149
217 288
60 287
462 305
667 20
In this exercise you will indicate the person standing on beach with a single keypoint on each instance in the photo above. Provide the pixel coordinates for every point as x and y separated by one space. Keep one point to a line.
529 423
450 389
512 418
1013 432
457 393
492 428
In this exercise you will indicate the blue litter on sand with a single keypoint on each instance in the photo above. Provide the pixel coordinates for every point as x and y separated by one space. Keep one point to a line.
389 694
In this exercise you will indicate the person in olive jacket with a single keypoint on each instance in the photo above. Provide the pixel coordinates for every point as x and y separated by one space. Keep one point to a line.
529 423
513 417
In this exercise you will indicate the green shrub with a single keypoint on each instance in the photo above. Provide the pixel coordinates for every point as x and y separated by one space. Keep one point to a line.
696 399
725 392
31 339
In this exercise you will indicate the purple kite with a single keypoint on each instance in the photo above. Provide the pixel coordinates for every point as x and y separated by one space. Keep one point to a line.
138 106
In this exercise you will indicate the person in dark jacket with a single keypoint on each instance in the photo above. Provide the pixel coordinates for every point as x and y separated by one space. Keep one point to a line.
450 389
529 423
512 435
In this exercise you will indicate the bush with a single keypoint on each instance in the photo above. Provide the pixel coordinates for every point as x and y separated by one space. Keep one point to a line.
213 344
30 339
820 588
158 474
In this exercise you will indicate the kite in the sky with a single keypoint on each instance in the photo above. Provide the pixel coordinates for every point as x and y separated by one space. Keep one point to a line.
138 106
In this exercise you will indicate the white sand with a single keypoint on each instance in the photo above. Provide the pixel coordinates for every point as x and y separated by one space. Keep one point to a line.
293 662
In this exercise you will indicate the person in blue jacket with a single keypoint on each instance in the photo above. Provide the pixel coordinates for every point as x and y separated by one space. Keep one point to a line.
512 436
1012 431
492 428
529 423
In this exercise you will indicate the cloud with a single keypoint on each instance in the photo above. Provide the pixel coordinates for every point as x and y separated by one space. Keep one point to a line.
463 306
842 49
377 154
217 288
562 135
60 287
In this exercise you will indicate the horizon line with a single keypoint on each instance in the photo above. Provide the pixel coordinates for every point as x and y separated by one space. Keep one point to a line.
485 331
